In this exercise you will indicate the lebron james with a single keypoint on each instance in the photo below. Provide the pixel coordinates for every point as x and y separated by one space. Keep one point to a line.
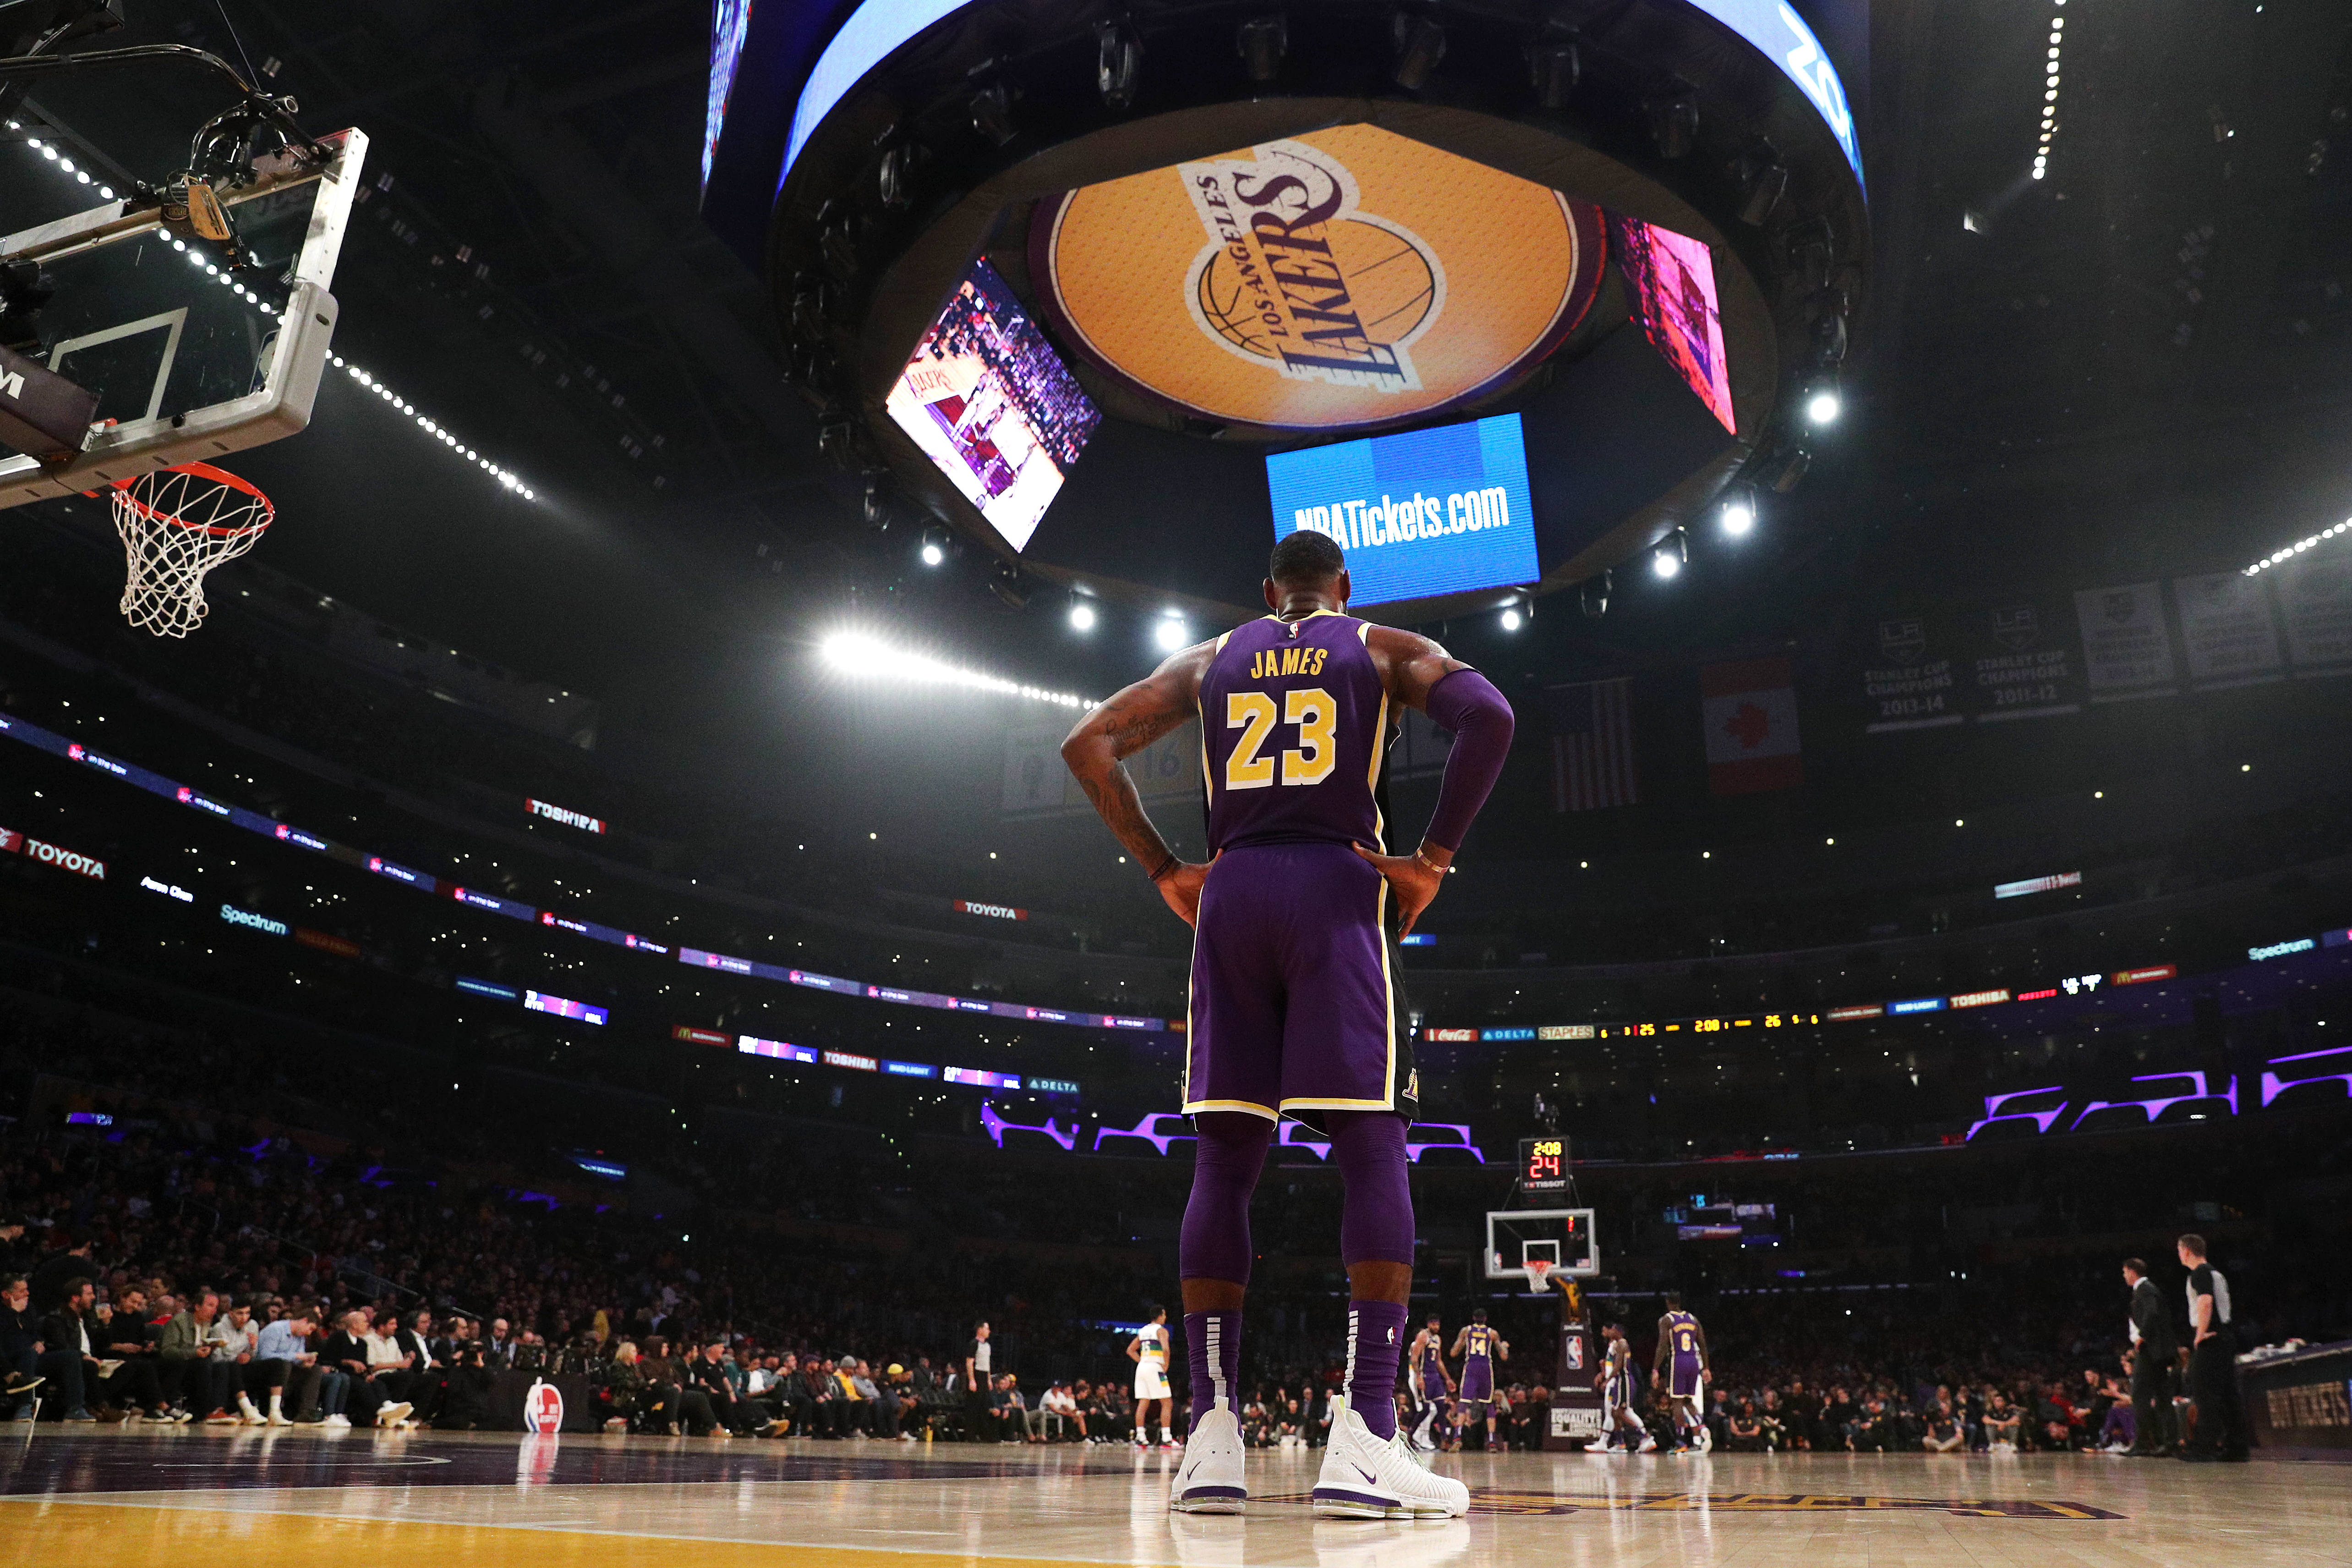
1294 1008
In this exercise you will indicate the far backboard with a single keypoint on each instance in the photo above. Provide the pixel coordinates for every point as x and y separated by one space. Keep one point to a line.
190 361
1561 1237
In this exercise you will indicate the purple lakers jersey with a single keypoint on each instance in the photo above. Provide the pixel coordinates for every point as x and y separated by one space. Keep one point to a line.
1294 724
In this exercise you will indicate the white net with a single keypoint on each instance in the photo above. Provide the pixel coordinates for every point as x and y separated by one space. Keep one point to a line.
176 524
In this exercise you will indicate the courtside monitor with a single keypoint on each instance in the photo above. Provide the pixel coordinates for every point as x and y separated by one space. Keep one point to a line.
993 407
1420 514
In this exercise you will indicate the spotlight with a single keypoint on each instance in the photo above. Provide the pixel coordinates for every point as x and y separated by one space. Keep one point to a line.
1553 68
1764 178
991 112
935 548
1082 615
1172 633
1511 618
1261 42
1118 63
1674 120
1822 404
1420 46
1665 563
1739 515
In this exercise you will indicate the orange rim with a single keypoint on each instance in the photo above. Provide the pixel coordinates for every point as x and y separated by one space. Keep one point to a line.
197 471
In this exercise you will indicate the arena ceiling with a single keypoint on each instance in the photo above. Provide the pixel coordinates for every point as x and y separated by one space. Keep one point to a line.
2139 360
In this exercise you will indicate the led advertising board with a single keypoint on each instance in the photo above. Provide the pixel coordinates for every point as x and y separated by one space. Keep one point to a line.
992 406
1426 512
877 28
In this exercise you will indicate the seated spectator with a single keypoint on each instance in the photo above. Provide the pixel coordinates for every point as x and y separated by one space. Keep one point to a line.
1007 1411
282 1359
713 1373
233 1338
1056 1414
70 1335
628 1393
20 1339
1943 1434
1744 1430
2001 1422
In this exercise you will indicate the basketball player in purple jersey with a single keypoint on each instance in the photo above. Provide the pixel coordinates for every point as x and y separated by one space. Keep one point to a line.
1294 1009
1683 1361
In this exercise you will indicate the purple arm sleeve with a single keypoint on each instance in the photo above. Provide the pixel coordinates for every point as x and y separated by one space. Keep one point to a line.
1466 702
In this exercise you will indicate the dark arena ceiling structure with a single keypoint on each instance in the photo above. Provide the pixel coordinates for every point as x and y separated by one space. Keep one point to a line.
1193 235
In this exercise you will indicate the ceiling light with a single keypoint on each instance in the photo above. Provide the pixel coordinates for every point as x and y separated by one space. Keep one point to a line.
1665 563
1172 633
933 555
1082 616
863 655
1738 516
1822 406
1511 618
504 476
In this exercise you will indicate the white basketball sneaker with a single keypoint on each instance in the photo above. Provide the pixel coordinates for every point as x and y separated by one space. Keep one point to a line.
1210 1478
1366 1477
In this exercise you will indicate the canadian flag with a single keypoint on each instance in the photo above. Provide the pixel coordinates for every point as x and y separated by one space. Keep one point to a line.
1749 710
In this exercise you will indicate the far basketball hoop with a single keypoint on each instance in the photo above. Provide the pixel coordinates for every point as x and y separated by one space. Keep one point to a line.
176 524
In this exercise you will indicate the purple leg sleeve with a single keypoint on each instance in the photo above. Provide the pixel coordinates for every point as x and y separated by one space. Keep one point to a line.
1213 1352
1215 1240
1376 1225
1375 1345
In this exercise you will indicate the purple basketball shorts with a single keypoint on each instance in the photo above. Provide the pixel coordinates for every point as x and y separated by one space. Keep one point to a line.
1295 1006
1685 1375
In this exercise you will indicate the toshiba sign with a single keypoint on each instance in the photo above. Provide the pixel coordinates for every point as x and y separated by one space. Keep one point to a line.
569 818
16 843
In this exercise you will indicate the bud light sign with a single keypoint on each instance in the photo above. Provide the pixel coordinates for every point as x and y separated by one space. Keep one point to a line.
1419 514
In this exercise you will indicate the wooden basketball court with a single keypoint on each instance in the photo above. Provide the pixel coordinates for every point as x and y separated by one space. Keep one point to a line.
104 1498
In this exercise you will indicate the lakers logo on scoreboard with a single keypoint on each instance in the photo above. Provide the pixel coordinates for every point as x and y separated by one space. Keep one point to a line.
1346 277
1299 279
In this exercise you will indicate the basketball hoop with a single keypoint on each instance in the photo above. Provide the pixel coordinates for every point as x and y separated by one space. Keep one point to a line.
177 524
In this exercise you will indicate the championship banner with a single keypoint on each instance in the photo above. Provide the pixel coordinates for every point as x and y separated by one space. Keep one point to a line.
2227 629
1748 710
2316 602
2126 649
1908 679
1037 783
1344 276
2021 663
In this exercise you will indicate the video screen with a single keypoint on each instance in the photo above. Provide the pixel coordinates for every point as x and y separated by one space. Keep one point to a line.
1672 278
993 407
730 22
1426 512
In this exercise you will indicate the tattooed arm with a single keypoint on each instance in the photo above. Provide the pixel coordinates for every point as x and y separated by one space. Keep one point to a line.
1132 719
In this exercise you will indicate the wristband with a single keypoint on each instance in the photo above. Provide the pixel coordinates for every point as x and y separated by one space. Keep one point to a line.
1166 866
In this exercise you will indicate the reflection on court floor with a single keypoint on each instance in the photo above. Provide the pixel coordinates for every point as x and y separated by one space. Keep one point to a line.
111 1496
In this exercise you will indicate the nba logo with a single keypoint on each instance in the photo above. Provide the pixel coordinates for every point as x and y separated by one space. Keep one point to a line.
1576 1353
543 1409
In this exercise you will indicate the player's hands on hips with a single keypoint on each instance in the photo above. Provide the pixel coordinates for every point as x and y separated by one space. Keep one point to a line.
1180 888
1415 877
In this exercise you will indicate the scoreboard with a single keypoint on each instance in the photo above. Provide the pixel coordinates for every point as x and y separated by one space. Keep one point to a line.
1543 1163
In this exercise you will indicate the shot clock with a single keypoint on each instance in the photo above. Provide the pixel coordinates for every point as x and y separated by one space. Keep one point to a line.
1543 1163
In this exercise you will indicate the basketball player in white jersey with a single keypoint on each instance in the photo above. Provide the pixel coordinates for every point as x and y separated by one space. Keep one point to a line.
1148 1350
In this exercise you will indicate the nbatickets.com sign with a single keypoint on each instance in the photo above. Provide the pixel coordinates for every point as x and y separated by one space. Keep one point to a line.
1340 277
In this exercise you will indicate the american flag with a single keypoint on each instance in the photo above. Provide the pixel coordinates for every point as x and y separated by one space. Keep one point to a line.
1593 746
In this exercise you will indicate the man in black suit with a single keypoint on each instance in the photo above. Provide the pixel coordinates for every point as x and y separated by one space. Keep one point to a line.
2155 1347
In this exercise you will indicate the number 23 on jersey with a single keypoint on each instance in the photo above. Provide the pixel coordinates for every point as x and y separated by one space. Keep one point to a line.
1315 715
